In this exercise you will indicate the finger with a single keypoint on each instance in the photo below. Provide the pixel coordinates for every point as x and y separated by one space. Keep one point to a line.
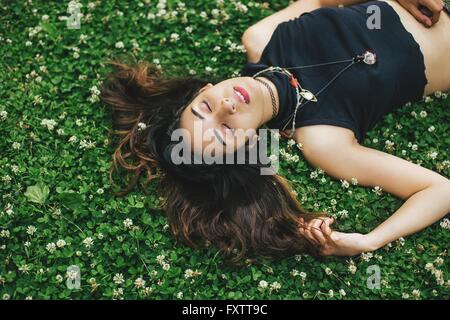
307 234
432 5
330 221
317 232
420 16
326 230
432 9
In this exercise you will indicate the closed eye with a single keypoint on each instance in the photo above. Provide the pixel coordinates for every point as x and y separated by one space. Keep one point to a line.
207 105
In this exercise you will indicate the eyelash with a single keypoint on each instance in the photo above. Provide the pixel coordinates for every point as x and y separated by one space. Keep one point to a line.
209 108
207 104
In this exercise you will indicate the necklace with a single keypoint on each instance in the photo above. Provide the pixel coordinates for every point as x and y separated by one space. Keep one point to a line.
272 96
368 57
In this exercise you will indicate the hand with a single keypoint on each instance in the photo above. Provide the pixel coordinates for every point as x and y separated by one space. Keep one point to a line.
425 11
329 242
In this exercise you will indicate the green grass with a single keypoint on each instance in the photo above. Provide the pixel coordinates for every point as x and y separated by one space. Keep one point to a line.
54 176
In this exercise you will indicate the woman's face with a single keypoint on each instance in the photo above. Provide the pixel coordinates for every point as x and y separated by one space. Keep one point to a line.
219 111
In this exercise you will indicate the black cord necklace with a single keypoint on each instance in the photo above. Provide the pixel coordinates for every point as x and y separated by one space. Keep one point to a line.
368 57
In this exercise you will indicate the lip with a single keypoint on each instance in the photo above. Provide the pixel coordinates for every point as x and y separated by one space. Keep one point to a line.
244 93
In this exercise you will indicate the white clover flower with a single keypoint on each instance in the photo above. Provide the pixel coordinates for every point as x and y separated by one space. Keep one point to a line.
445 223
88 242
344 183
142 126
439 261
313 175
16 145
24 268
431 129
139 283
118 278
203 14
366 256
377 190
303 275
119 45
100 191
49 123
174 37
83 38
166 266
180 295
117 293
429 266
28 43
60 243
423 114
3 114
352 267
241 7
428 99
275 286
405 295
328 271
188 273
432 154
128 223
401 241
208 70
295 272
263 284
342 292
51 247
87 144
416 294
414 147
160 259
94 90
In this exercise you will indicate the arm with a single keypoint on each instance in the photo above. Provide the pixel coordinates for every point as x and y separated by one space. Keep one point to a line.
256 37
426 194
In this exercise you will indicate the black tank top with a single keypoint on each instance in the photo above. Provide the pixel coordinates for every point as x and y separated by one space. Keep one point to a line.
363 94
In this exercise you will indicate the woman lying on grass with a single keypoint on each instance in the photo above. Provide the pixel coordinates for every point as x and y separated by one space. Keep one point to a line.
341 70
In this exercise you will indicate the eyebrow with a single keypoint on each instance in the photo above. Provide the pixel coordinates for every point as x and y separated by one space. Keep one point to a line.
198 115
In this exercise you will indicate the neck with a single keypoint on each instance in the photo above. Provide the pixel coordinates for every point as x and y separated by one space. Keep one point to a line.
268 111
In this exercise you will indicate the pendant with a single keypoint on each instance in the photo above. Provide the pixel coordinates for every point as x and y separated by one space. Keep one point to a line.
293 81
308 95
369 57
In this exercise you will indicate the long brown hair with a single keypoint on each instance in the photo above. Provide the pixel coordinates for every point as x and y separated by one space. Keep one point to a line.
232 207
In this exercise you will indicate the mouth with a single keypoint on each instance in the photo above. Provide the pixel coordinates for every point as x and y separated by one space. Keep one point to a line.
242 94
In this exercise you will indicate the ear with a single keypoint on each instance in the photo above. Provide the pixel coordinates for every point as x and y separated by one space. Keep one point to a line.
209 85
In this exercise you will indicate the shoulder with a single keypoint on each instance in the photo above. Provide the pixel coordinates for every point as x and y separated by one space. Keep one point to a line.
324 138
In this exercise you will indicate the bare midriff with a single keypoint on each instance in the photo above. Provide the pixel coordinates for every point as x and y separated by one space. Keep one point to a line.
434 44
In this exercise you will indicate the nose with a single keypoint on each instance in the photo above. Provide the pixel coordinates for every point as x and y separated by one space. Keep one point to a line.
229 105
